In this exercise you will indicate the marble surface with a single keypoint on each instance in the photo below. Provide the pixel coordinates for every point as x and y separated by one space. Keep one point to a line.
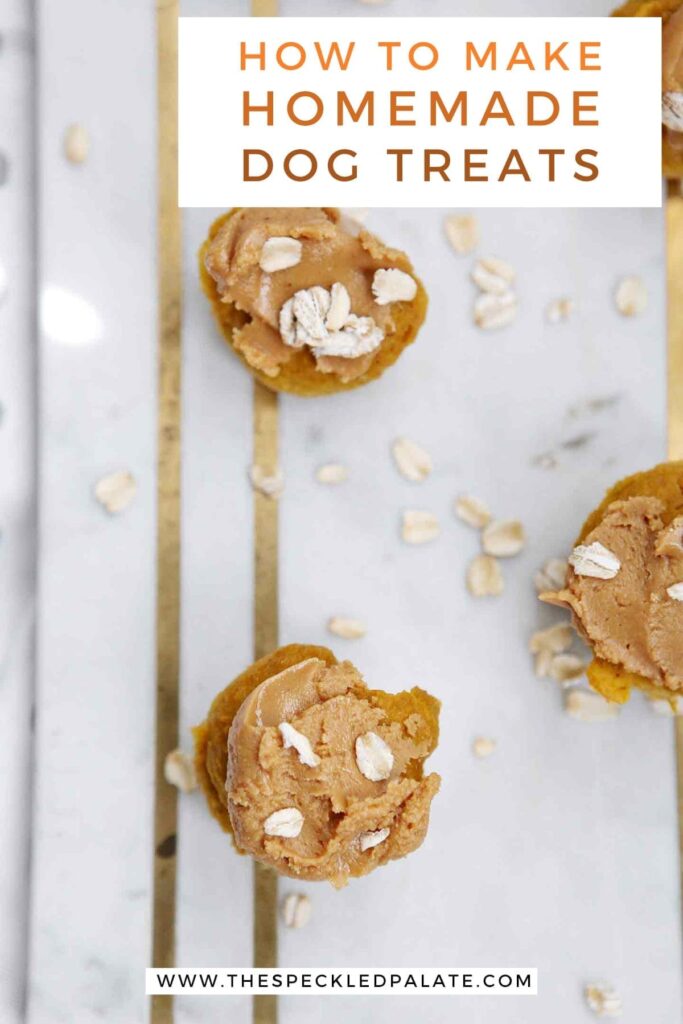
558 852
17 496
96 250
556 843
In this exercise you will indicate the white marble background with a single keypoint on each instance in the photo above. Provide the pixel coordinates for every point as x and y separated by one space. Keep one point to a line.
561 850
17 494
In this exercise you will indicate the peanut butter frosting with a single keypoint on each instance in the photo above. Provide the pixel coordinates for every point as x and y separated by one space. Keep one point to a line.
623 589
672 78
304 277
319 780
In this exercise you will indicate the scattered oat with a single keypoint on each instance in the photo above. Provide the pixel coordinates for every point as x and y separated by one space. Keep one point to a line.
393 285
462 231
179 771
374 757
472 511
116 491
559 310
280 253
331 473
551 660
76 144
552 576
543 663
602 999
675 591
588 706
503 538
594 560
483 746
419 526
412 462
555 639
566 668
269 484
291 737
494 311
631 296
286 823
368 840
484 577
493 276
295 910
348 629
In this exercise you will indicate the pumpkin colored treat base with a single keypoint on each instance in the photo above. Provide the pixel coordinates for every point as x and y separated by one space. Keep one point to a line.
248 302
313 773
647 9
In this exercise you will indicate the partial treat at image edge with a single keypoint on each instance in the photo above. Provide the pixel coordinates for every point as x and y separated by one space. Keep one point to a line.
624 586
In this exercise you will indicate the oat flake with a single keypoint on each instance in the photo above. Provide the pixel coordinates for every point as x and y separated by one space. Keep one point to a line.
462 231
116 491
484 577
472 511
419 526
332 473
295 910
412 461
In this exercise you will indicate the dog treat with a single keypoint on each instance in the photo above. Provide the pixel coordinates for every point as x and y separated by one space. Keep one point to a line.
312 772
309 301
623 586
671 13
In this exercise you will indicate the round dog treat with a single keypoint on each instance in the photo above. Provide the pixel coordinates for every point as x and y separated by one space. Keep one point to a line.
310 302
312 772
